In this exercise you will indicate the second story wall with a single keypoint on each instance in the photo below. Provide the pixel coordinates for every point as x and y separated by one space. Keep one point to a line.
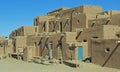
25 31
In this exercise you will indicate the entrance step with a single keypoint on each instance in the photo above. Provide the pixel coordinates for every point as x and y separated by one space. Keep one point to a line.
71 63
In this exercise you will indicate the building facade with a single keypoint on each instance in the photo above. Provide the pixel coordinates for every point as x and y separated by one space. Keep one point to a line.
67 34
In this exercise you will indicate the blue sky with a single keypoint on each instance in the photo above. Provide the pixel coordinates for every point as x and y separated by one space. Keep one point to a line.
16 13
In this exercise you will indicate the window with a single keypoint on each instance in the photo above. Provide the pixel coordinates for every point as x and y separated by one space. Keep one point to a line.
60 44
44 27
54 25
50 23
107 50
36 20
84 40
95 37
78 21
92 24
60 26
35 43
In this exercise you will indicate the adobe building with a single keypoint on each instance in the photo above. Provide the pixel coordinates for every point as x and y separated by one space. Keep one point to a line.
33 47
56 45
19 39
34 41
19 35
26 46
51 45
110 12
55 12
115 19
2 45
62 46
29 53
24 31
5 46
110 17
62 20
66 33
104 31
20 43
72 19
9 49
67 20
13 34
43 23
105 52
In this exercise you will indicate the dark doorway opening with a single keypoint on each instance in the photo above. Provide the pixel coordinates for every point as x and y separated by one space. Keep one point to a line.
60 26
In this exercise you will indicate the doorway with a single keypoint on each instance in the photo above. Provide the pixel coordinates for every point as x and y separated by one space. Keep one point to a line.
80 51
50 50
60 26
60 53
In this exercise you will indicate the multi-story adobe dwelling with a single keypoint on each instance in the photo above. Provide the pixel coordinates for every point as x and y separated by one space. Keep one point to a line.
70 34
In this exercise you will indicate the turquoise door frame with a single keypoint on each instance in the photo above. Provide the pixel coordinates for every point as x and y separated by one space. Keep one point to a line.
80 51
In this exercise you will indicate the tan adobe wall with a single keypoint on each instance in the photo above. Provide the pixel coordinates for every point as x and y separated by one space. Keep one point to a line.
34 41
55 12
30 30
20 42
115 19
110 31
105 52
10 46
39 19
89 9
2 45
55 39
110 12
105 31
29 53
54 25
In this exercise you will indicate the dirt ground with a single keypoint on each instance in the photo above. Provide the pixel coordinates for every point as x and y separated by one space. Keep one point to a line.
12 65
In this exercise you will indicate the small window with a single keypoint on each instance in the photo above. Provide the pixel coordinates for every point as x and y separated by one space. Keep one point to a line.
95 37
35 43
50 23
44 27
53 28
92 24
78 21
36 20
84 40
60 45
60 26
107 50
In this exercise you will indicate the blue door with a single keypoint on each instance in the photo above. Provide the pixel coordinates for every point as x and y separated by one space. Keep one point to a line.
79 53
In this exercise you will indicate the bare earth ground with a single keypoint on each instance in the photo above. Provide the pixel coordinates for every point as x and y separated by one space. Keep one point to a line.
12 65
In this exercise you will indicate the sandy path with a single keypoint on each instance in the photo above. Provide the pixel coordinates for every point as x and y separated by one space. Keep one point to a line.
10 65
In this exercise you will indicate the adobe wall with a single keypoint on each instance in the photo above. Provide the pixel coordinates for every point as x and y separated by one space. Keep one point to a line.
105 52
20 42
29 53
